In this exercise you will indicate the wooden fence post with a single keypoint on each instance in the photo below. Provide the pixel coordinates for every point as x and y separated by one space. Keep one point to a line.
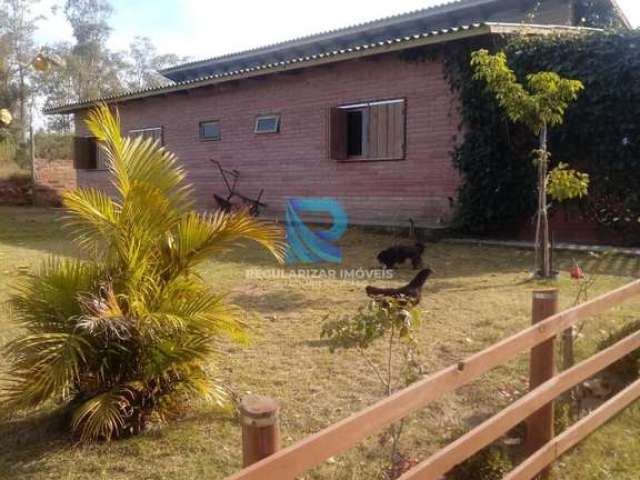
568 355
540 429
260 428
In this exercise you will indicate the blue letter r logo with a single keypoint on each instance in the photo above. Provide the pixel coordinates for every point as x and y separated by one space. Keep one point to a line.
307 246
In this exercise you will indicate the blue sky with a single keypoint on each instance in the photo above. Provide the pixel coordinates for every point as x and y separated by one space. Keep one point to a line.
204 28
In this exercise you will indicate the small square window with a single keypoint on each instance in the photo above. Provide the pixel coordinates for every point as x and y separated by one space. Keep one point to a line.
210 130
268 124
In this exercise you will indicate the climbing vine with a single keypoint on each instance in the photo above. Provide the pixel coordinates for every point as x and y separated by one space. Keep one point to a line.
601 134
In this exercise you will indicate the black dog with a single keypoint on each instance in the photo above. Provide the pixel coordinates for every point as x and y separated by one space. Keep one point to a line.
412 292
399 253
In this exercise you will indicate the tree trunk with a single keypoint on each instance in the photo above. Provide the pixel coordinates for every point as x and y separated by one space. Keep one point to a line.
543 217
22 98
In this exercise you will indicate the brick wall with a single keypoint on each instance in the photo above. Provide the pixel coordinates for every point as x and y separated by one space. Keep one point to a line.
295 162
53 177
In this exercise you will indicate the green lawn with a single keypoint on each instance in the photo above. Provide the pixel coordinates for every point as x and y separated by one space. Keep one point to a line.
477 296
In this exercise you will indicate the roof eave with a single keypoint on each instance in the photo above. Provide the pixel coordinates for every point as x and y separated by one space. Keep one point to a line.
623 16
431 38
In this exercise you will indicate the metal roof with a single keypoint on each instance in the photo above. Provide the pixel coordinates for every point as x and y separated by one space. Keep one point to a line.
438 17
392 43
410 23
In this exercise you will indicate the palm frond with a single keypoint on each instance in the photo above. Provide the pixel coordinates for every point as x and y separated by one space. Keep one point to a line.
194 385
173 355
147 162
198 310
105 126
199 236
138 160
92 216
147 213
132 331
101 417
44 366
47 300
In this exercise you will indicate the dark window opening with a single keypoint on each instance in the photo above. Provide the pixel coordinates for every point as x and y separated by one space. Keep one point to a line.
355 132
85 156
368 131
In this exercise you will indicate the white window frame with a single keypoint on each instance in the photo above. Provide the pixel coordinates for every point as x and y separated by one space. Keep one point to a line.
141 131
355 106
206 139
271 116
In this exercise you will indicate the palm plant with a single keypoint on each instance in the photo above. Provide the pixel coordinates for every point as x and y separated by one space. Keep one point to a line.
127 335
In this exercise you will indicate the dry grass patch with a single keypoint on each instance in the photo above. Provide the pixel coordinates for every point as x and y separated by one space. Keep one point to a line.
476 296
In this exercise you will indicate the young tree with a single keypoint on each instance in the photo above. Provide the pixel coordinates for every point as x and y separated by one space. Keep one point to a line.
129 333
539 104
394 322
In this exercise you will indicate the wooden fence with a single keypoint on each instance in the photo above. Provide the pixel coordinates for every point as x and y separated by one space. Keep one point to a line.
292 461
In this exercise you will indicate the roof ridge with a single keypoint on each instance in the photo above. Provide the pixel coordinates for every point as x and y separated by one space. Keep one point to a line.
372 47
314 36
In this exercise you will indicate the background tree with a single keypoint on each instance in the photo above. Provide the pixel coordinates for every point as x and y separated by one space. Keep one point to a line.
96 68
17 26
8 101
57 86
539 105
144 63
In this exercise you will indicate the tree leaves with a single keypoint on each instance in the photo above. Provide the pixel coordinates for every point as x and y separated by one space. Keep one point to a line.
564 183
600 134
543 101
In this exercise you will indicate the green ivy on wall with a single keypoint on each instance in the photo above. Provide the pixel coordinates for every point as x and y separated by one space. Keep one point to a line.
601 133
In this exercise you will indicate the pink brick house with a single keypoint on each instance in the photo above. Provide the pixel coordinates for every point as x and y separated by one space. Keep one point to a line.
340 114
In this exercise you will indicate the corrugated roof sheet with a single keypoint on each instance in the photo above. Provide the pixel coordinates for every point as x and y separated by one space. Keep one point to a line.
409 23
436 17
334 55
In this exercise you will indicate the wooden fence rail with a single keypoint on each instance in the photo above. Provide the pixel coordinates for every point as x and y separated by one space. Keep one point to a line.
494 428
575 434
292 461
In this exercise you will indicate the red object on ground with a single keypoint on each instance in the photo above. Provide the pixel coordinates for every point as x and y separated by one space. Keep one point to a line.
576 272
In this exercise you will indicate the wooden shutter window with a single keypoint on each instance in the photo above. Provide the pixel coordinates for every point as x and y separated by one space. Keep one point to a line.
101 157
386 131
85 153
338 134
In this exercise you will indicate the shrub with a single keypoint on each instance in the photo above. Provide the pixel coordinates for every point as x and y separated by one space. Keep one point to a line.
627 368
127 335
491 463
